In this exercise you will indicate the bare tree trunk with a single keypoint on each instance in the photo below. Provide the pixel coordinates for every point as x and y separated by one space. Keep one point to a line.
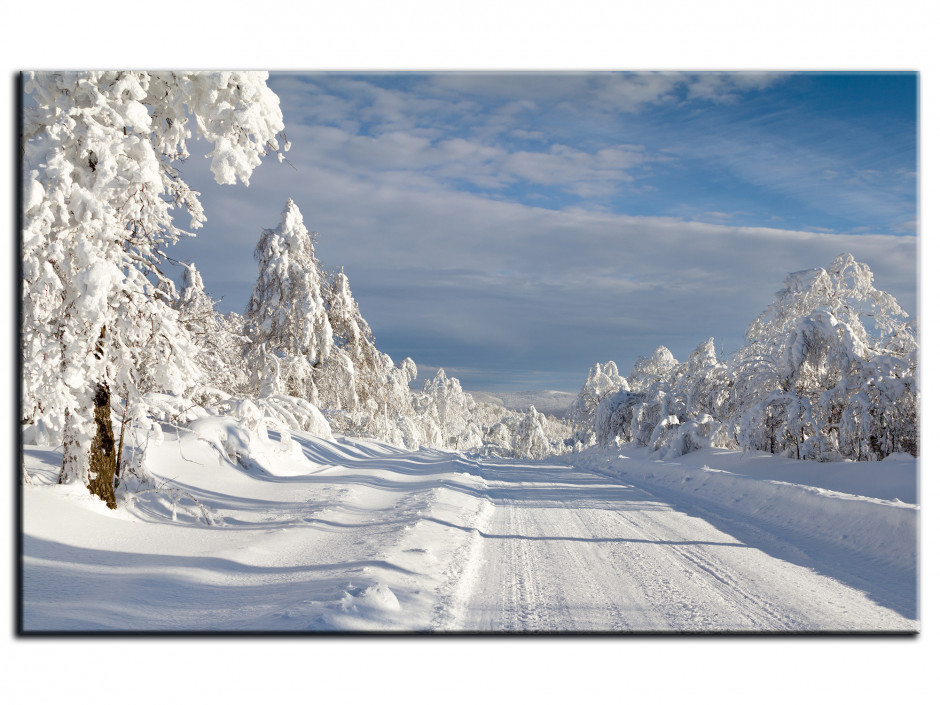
97 467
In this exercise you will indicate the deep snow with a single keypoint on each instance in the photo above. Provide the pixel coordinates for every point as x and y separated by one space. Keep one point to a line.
351 534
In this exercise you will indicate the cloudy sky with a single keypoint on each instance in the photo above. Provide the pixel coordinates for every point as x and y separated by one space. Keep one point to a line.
515 228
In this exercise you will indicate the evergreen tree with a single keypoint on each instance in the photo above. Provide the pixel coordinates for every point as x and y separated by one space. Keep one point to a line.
358 371
286 320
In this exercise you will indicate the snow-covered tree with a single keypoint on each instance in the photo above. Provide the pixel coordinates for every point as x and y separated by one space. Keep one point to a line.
603 381
397 402
654 379
824 368
530 438
529 434
845 289
99 188
445 411
828 370
669 412
357 381
614 417
361 390
706 383
286 319
659 369
218 338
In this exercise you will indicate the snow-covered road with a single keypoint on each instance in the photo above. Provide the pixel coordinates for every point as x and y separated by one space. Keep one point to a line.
566 549
356 535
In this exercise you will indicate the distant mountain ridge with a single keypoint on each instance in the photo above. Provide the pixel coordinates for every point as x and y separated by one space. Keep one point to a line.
547 401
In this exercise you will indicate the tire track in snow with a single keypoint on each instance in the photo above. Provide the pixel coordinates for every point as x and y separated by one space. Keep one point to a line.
693 591
541 572
531 601
578 551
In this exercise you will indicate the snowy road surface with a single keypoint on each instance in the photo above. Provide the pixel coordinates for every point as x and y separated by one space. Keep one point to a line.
566 549
360 536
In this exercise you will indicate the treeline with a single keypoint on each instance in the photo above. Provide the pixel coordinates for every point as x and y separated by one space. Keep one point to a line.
303 348
828 371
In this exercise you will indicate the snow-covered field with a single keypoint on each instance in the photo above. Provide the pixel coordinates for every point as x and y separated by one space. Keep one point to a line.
355 535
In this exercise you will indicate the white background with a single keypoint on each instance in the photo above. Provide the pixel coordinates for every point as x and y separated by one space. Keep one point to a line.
484 34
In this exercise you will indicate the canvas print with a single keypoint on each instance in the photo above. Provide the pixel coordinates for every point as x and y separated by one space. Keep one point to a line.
469 353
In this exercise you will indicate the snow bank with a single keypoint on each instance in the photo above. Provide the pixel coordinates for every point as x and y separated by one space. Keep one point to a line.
244 440
881 529
369 608
296 413
257 434
361 537
895 477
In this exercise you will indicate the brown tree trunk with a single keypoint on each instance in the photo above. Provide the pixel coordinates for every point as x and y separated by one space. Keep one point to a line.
102 458
98 467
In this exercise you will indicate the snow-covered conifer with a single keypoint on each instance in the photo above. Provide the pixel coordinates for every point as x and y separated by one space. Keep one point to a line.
360 378
286 317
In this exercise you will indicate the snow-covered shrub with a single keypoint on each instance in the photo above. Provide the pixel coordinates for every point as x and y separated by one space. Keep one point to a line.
169 408
706 431
408 434
232 437
664 432
242 432
295 413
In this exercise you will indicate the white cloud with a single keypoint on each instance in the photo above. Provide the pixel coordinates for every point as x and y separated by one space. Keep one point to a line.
485 165
725 87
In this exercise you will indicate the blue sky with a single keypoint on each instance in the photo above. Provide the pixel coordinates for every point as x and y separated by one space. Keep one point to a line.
515 228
